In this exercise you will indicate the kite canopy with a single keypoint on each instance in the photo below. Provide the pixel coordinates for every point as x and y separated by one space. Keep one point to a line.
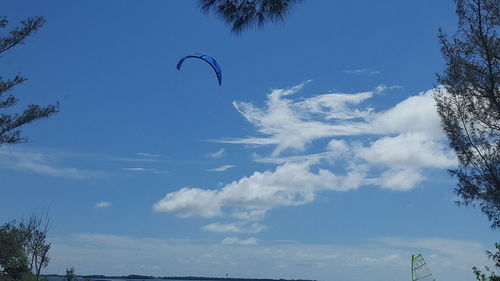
213 63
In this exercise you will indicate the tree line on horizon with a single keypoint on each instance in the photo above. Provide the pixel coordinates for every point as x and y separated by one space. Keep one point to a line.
70 276
468 103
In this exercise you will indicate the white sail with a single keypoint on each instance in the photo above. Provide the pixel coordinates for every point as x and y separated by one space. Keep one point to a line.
419 269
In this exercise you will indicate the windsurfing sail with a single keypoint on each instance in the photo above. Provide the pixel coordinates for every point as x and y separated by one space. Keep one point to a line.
211 61
419 269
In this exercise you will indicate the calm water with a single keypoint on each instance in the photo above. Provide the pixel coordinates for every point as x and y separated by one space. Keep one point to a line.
52 278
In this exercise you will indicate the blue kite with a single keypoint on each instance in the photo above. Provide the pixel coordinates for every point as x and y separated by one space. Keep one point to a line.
213 63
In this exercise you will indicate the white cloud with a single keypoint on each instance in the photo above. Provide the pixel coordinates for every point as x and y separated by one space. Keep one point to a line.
221 168
238 227
291 184
103 204
236 241
405 141
41 163
416 114
218 154
398 179
191 201
408 150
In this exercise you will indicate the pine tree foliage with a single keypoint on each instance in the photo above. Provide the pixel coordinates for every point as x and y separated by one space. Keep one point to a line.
469 103
243 14
11 122
488 274
495 256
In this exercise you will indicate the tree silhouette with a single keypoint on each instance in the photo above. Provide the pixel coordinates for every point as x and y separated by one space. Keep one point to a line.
242 14
469 104
11 122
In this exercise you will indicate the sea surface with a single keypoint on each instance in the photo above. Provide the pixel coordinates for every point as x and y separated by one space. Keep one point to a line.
78 278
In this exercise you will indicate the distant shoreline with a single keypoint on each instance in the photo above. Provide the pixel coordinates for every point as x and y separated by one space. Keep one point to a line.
143 277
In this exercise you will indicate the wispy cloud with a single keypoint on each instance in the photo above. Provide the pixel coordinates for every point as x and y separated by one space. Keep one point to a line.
144 154
221 168
437 245
238 227
103 204
386 258
137 169
292 125
141 169
381 88
218 154
41 163
237 241
135 159
362 71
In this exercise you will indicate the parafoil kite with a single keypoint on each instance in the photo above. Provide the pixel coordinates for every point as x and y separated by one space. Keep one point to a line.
213 63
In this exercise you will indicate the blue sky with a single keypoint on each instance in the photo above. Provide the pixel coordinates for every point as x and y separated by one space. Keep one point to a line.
319 157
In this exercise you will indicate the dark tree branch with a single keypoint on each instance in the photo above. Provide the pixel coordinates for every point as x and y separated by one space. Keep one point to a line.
470 107
16 36
11 122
